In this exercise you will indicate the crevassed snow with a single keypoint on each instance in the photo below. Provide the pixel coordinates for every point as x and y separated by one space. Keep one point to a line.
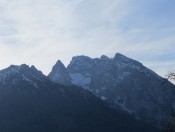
81 80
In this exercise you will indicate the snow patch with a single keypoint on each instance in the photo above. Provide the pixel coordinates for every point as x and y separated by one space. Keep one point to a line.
25 78
103 98
81 80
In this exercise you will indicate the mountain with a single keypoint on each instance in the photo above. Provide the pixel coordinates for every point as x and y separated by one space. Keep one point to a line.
125 84
30 102
59 74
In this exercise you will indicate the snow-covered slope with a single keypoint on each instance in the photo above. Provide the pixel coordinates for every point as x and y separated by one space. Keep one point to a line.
125 84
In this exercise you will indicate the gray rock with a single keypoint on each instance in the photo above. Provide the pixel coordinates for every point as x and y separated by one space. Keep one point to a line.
125 84
59 74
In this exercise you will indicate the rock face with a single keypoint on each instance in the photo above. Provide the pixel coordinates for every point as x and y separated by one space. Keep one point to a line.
14 74
59 74
30 102
125 84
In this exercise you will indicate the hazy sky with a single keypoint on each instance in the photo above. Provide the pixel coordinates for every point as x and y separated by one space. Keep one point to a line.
40 32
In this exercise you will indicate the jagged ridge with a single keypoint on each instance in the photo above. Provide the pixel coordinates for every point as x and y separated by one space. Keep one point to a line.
125 84
34 103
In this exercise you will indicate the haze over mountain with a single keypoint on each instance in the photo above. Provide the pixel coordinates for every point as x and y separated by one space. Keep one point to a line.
38 32
122 82
74 95
30 102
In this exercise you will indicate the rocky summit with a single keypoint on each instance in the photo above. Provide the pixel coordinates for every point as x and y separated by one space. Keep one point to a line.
123 83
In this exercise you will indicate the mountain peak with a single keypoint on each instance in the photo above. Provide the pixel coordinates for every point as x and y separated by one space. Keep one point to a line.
59 65
17 68
59 62
21 72
80 59
120 56
59 74
12 69
104 57
123 82
24 66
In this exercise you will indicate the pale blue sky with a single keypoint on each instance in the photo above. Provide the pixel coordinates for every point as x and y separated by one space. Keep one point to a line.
39 32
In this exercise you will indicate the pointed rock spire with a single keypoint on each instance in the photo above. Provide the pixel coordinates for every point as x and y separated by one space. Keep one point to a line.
59 74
